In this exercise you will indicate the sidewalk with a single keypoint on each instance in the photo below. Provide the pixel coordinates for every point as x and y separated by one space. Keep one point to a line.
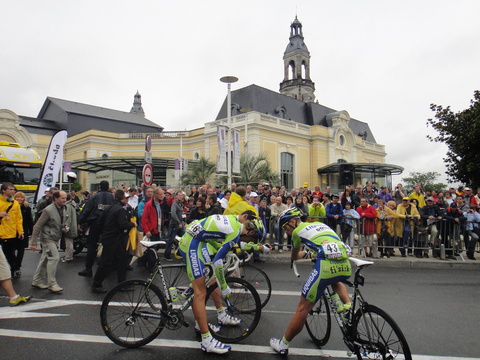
397 261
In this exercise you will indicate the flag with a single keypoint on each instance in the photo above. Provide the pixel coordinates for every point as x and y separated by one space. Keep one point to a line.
236 151
222 151
53 163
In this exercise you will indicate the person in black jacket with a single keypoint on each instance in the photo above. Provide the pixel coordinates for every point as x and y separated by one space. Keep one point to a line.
214 207
90 215
22 243
114 225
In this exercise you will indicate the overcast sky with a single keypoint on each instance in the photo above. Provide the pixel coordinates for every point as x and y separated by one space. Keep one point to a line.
382 61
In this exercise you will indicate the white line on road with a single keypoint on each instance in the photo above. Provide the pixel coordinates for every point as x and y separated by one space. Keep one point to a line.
195 345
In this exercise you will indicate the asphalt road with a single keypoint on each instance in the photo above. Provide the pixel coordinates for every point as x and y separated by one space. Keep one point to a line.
437 309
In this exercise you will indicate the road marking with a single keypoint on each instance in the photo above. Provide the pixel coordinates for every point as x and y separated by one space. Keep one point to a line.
195 345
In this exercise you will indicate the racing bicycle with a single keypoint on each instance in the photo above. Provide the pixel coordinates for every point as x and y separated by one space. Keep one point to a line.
134 312
368 331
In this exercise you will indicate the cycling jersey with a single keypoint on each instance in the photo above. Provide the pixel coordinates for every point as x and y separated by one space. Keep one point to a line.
216 234
332 264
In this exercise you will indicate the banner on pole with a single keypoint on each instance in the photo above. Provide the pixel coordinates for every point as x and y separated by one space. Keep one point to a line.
53 163
236 152
222 151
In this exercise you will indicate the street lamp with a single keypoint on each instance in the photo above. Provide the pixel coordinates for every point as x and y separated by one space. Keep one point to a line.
229 80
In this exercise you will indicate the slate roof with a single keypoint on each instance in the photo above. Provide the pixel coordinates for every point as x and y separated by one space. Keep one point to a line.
98 112
270 102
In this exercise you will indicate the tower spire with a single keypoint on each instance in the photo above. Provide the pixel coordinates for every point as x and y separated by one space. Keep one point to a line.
296 60
137 105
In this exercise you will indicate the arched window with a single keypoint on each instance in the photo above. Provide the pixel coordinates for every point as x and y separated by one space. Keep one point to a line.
286 169
292 70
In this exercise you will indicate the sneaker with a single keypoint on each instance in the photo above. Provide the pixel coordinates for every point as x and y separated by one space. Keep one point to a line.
85 272
98 290
55 289
39 286
20 300
280 251
227 319
215 346
18 273
213 328
278 346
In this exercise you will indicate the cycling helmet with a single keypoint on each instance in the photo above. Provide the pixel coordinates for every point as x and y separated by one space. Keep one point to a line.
257 225
289 214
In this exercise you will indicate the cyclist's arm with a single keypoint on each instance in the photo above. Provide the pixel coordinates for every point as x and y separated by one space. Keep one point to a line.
217 263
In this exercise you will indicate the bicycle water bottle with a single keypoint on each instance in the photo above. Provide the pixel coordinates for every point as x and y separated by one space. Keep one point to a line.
337 303
173 293
187 292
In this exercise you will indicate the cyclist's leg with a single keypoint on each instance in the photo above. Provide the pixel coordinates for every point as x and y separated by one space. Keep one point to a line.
342 291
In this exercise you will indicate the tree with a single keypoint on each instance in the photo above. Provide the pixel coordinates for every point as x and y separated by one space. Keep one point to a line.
427 180
460 132
254 169
199 172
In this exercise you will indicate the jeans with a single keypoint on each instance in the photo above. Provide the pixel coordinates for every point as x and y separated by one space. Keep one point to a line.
173 230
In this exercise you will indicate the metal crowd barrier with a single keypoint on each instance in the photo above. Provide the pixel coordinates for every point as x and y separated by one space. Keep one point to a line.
395 237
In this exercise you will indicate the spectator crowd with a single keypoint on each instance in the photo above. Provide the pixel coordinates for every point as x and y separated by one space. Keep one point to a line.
377 222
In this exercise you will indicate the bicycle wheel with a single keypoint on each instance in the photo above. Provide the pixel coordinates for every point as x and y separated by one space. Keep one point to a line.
379 335
260 281
129 313
244 304
319 322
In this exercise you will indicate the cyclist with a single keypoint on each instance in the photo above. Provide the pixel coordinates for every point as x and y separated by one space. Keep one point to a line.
331 267
208 241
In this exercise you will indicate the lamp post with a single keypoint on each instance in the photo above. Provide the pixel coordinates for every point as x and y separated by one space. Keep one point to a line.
229 80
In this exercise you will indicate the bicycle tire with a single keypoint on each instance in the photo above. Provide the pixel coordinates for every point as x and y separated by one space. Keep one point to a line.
119 314
260 281
319 322
379 335
77 246
244 303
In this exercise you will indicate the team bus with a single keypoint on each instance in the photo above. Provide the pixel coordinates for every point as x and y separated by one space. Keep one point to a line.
20 166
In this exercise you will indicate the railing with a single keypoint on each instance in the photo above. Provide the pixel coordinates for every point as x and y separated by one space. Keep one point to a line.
395 237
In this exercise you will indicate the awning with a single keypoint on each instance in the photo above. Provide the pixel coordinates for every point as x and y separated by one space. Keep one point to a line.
377 169
130 165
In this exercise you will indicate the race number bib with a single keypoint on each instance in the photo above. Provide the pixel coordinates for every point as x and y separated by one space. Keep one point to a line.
331 250
195 229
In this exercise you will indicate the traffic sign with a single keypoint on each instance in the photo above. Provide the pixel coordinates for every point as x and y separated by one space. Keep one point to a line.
148 157
148 143
147 174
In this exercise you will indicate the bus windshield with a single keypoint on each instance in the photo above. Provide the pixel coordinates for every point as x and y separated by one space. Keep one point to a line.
20 175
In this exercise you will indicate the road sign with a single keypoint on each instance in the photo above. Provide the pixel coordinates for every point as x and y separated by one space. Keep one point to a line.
148 143
147 174
148 157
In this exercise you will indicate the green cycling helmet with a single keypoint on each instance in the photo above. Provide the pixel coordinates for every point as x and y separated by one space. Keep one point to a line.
256 225
289 214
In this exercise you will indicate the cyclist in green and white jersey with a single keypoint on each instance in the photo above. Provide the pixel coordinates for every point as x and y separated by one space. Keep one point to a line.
331 267
208 241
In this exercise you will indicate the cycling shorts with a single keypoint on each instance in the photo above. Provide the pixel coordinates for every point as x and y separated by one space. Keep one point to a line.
325 273
196 255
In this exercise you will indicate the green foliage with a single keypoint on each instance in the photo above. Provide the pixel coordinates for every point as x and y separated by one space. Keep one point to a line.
461 133
254 169
427 179
75 186
199 172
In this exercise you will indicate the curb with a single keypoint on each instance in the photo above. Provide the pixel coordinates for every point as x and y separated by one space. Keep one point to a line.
401 263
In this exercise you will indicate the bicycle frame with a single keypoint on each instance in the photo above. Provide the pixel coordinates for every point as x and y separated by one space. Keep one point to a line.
358 301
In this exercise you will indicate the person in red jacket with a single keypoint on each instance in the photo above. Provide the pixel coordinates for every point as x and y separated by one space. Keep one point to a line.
368 215
152 215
